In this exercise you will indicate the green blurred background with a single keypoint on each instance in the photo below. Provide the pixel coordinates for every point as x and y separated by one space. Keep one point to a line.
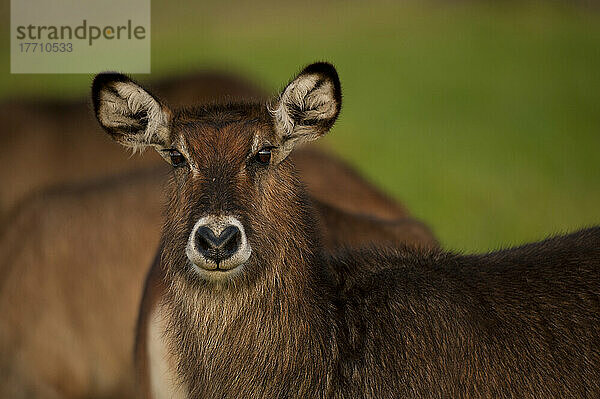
483 118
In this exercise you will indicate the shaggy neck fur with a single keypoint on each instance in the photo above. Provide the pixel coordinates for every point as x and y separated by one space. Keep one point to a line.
265 332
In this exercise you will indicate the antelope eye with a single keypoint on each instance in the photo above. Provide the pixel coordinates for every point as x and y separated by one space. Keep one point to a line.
177 159
264 156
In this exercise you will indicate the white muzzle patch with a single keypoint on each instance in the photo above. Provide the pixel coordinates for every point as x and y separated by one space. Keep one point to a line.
217 244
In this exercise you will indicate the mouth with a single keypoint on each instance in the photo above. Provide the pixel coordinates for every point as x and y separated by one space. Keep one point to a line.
218 272
221 269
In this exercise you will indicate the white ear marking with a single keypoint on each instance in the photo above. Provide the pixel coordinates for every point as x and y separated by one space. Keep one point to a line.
307 107
139 100
129 113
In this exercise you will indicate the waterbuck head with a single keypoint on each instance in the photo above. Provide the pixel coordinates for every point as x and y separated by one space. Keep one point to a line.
236 208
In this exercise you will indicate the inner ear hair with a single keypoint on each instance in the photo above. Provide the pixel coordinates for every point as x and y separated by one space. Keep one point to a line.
308 106
130 114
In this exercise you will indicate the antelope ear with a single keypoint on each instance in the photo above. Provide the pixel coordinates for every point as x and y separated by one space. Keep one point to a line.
308 106
130 114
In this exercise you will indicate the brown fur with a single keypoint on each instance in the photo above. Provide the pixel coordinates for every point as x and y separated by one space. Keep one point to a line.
363 216
69 288
347 183
88 281
295 320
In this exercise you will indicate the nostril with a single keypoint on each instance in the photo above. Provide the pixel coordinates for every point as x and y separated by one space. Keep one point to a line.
230 245
232 241
205 239
202 244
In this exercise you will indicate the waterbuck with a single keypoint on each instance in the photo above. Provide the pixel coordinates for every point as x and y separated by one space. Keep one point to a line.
251 307
66 323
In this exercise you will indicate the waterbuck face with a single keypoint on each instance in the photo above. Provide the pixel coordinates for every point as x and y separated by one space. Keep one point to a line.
235 205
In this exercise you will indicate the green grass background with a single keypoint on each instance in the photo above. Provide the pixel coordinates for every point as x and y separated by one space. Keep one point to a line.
483 118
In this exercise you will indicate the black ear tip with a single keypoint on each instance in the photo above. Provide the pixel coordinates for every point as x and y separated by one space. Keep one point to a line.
104 77
322 68
329 72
